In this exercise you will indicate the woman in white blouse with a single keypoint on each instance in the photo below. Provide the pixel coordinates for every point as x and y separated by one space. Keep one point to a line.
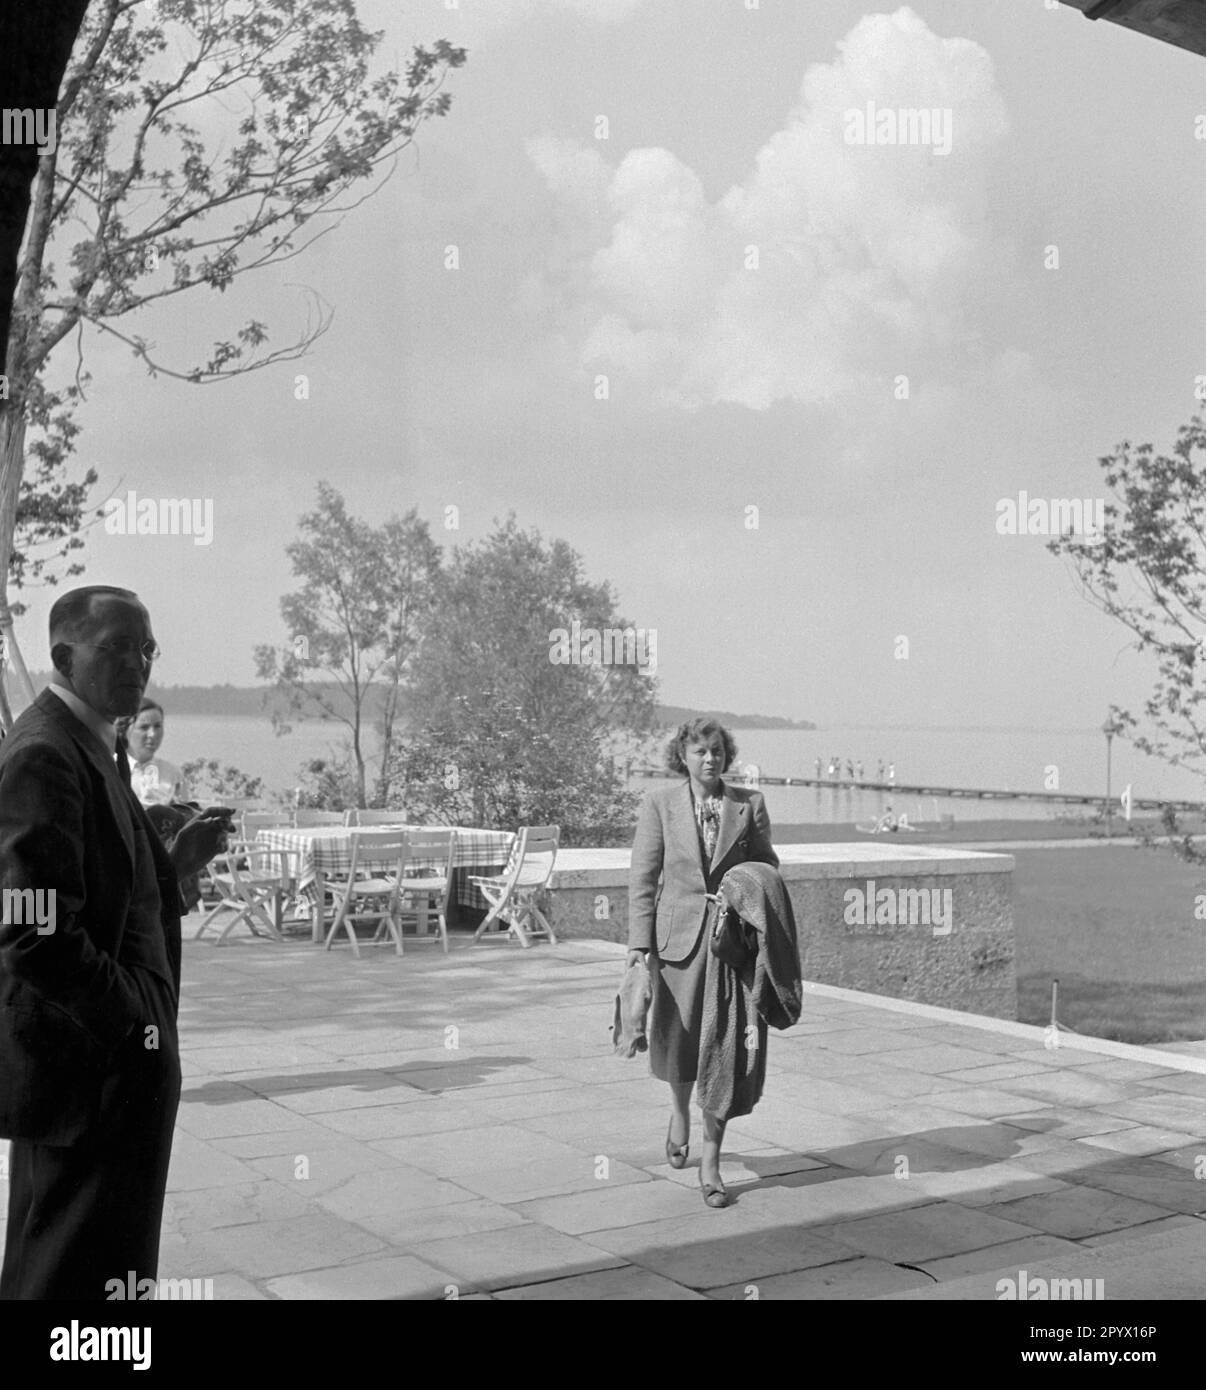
155 781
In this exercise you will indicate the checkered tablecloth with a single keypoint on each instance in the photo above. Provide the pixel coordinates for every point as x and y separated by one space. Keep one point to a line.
329 849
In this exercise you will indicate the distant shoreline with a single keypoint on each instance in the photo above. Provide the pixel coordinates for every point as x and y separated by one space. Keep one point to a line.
249 702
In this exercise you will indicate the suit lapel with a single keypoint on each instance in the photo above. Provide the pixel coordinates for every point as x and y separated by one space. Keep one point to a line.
682 820
86 742
733 817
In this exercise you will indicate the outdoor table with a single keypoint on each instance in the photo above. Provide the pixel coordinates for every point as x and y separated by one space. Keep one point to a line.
324 849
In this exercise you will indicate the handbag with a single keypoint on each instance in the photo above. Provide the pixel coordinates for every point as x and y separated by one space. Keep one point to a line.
733 942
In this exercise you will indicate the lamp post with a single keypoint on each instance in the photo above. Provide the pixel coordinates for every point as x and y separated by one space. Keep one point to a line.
1109 728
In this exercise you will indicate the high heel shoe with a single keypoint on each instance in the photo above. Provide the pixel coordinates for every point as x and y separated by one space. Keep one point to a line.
676 1154
714 1196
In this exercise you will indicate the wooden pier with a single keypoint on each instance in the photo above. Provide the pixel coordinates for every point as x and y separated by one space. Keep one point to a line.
954 793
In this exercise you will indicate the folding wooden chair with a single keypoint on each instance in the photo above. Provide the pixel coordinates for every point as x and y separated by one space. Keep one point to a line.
514 895
365 885
252 822
432 889
248 884
249 821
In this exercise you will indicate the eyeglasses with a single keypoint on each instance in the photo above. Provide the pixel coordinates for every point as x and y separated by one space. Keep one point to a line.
126 646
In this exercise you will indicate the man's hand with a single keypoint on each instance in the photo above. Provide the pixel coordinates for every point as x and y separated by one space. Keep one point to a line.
635 955
199 839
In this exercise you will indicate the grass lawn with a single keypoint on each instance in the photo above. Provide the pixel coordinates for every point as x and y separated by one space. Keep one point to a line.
1116 927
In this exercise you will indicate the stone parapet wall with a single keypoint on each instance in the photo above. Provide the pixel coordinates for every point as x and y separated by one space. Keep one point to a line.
924 923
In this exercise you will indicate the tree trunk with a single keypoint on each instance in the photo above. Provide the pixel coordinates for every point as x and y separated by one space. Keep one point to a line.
12 467
389 712
359 756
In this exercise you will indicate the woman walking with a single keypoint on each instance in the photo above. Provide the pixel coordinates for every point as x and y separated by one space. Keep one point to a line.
688 836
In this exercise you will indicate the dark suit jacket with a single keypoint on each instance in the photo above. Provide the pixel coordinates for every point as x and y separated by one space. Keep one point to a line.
666 847
70 997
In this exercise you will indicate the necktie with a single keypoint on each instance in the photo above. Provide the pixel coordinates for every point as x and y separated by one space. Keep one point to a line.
123 763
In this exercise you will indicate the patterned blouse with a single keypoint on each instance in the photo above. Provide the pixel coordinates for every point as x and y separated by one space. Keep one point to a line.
707 821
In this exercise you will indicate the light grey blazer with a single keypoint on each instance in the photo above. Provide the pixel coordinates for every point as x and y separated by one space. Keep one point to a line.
668 882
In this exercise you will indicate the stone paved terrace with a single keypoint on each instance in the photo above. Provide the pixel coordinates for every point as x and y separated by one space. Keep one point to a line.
331 1145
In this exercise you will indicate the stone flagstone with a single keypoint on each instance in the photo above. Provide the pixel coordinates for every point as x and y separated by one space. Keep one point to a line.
514 1256
332 1146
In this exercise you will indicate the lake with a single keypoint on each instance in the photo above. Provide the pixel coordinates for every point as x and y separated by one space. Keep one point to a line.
1009 760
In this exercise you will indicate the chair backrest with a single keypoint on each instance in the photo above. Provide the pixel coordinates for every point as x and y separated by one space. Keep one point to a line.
534 855
377 847
247 865
439 845
303 817
264 820
357 816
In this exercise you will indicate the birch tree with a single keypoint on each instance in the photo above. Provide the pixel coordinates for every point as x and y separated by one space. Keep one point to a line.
354 626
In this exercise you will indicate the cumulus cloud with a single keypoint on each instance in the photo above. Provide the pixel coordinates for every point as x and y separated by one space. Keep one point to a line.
831 263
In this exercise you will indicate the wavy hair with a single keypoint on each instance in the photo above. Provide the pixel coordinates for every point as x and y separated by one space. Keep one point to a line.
698 731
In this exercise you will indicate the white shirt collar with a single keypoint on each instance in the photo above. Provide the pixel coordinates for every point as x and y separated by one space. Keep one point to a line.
88 717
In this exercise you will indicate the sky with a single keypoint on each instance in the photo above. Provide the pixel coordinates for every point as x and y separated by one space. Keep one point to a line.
770 382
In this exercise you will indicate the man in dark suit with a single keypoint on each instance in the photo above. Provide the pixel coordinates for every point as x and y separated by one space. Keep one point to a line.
89 967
